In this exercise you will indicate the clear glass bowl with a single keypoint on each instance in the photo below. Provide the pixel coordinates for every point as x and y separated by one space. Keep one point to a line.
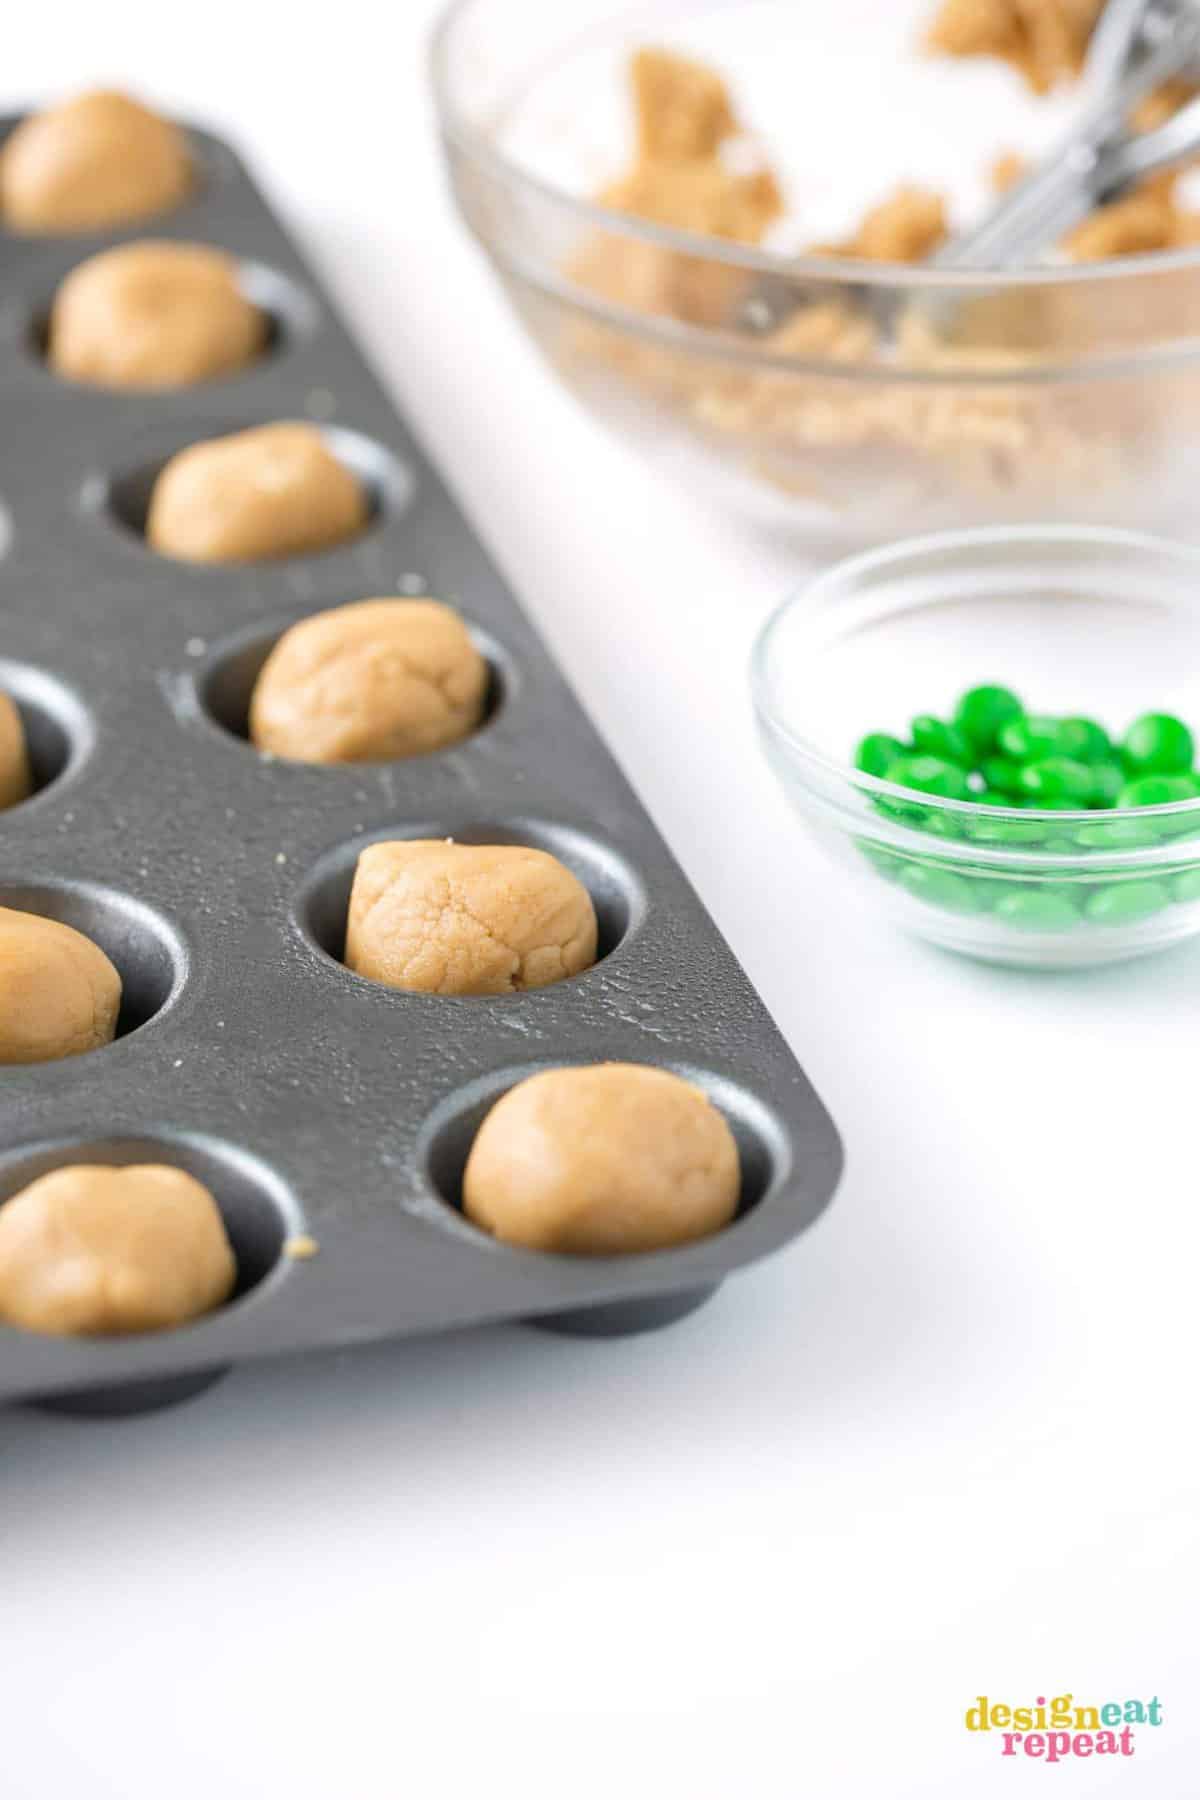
1076 621
1068 391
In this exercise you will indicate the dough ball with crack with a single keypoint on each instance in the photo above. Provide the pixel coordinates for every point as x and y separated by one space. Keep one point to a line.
369 682
16 782
99 160
444 918
602 1161
255 496
59 993
91 1249
153 315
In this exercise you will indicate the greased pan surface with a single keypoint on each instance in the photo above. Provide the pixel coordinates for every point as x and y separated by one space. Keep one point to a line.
310 1100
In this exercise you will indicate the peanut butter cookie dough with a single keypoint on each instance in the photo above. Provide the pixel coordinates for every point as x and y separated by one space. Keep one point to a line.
16 782
153 315
257 495
443 918
99 160
602 1161
1044 40
368 682
684 119
95 1250
59 993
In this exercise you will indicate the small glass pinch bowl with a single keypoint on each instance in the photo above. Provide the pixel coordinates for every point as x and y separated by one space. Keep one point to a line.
1075 621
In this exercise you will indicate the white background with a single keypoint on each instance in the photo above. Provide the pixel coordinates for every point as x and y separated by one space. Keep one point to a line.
944 1445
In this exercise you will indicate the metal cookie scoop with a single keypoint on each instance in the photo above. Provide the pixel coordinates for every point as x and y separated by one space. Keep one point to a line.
1136 47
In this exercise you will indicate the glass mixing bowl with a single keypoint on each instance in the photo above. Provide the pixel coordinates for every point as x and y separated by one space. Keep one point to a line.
1075 621
898 398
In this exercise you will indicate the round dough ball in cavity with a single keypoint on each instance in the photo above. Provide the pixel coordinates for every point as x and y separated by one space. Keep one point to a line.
369 682
443 918
153 315
59 993
98 160
605 1160
96 1250
16 781
257 495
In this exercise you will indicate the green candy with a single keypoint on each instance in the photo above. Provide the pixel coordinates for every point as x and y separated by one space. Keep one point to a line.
990 797
1085 740
1108 778
1037 909
982 712
1156 790
1118 834
1030 739
939 887
930 775
933 737
877 753
1056 780
884 862
1158 744
1005 831
1127 902
1185 888
1001 774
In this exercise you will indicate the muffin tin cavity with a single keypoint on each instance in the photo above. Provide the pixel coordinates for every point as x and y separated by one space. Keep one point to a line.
617 895
225 686
258 1210
451 1129
123 498
291 313
148 953
58 731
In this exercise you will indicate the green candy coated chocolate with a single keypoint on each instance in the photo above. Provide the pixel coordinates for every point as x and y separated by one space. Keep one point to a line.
1056 779
933 737
1126 902
1117 834
939 887
884 862
1156 790
1005 831
1029 739
930 775
990 797
982 711
1037 909
1108 778
1001 774
1158 744
1085 740
1185 888
877 753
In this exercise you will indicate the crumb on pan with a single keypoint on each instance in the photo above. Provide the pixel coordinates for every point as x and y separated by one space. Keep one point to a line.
300 1247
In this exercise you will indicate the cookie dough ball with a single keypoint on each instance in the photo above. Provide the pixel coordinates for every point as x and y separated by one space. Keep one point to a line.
91 1249
153 316
602 1161
276 490
16 782
59 994
99 160
443 918
368 682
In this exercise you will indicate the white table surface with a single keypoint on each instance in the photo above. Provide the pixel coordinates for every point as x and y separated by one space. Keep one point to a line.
944 1445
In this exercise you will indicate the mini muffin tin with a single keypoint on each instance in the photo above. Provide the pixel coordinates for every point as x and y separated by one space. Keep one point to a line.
312 1102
